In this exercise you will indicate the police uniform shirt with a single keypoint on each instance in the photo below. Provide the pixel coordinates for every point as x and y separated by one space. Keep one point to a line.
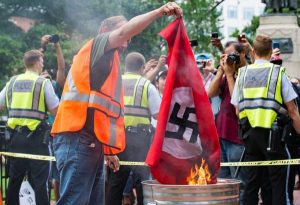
50 97
154 99
287 91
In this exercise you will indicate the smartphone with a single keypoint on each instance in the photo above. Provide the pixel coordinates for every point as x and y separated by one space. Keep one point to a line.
194 43
241 36
276 45
214 35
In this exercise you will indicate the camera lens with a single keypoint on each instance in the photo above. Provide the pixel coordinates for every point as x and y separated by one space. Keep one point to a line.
54 38
233 57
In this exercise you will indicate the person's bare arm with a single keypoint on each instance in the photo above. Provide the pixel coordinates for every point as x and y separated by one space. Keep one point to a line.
214 88
137 24
151 73
294 115
53 111
60 74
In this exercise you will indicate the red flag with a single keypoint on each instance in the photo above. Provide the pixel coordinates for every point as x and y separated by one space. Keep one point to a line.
185 131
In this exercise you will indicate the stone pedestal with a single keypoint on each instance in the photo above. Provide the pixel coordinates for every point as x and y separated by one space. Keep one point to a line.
284 26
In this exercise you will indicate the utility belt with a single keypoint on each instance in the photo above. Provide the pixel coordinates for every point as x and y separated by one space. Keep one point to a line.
140 128
277 134
42 132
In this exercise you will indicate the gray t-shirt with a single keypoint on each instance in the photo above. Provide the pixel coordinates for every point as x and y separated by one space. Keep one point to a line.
287 91
154 99
50 97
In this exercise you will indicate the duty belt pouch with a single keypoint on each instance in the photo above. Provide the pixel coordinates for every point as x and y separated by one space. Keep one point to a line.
275 138
43 132
244 128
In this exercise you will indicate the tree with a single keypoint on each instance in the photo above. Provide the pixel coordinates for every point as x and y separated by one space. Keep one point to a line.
77 21
201 19
249 30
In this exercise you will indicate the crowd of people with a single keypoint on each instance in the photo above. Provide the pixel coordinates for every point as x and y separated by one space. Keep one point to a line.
253 101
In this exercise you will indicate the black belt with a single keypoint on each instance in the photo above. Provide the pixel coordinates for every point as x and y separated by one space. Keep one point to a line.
139 128
22 129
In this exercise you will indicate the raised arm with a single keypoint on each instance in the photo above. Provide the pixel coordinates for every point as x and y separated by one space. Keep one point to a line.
137 24
60 74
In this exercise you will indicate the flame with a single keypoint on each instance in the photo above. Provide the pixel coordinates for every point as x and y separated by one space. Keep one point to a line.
199 175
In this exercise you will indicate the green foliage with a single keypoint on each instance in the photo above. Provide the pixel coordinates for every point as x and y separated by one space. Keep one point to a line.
249 30
200 22
10 57
77 21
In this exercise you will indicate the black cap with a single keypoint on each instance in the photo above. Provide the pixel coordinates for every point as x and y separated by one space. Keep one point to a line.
161 73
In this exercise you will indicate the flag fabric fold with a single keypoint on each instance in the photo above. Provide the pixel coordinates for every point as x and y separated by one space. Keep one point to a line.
185 132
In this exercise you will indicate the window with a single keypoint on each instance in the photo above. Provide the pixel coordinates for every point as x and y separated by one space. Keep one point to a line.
231 30
248 13
232 12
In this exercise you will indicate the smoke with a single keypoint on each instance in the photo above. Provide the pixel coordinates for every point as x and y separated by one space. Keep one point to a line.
85 16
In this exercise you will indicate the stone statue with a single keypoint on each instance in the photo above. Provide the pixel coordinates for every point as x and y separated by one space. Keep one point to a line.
278 5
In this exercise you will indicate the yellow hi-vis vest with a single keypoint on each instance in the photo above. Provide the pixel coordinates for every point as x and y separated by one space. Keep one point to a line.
135 100
25 100
260 98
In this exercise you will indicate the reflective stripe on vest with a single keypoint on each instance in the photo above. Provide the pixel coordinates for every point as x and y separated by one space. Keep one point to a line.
136 100
27 89
260 94
102 105
96 100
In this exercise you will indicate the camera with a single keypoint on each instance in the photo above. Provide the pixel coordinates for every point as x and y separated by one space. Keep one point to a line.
233 57
214 35
201 64
54 38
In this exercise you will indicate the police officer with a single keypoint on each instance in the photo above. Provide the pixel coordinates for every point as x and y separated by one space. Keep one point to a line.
141 100
27 98
262 96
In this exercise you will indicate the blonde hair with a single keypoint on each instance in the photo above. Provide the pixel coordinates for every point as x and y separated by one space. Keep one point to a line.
31 57
262 45
110 23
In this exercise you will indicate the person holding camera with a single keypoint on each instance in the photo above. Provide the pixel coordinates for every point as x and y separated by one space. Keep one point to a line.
90 120
264 97
27 98
227 121
58 82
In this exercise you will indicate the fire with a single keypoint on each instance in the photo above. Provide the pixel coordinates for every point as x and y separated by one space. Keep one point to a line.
199 175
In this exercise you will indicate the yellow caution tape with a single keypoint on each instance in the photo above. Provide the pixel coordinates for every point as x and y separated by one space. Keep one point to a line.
130 163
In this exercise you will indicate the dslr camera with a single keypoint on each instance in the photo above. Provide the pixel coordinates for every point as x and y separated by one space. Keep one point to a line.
54 38
233 57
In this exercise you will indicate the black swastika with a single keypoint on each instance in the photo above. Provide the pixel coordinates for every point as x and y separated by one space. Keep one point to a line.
183 123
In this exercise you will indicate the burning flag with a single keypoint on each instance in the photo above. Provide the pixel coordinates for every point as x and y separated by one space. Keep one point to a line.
185 132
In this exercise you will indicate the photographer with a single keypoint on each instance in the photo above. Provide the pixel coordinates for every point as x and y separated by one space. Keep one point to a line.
227 121
58 82
205 64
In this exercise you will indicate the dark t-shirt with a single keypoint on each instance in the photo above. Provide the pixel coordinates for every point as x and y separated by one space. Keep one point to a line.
227 121
100 68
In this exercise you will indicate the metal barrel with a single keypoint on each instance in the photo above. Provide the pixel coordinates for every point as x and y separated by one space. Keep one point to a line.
226 191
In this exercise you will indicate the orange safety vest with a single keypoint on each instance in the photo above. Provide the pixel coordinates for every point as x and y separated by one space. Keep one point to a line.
107 103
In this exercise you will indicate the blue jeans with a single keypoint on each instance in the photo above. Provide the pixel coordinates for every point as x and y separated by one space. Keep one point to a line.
231 152
79 160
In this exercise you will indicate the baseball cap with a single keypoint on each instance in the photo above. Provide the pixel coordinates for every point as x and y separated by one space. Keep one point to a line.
202 57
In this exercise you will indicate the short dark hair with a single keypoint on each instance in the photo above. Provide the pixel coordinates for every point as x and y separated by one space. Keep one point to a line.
239 47
262 45
134 61
31 57
110 23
